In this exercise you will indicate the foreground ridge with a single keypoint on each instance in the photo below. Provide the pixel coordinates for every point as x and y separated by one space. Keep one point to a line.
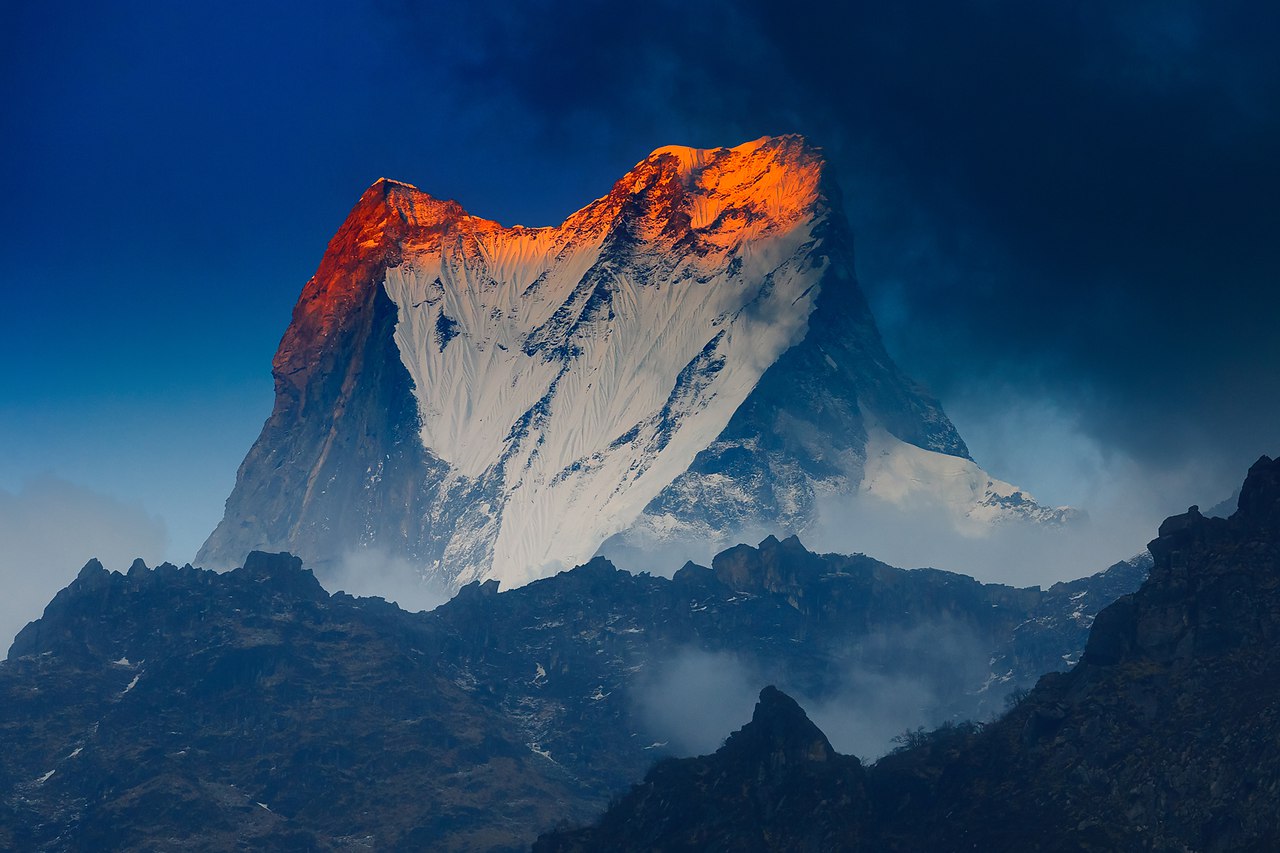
775 784
177 706
1162 738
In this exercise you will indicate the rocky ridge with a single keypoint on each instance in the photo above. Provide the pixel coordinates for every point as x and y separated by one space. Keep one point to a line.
776 784
1163 737
179 706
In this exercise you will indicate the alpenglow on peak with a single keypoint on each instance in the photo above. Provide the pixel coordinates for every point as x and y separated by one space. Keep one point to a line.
685 359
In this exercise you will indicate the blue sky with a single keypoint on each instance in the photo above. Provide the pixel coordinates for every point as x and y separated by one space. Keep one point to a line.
1065 212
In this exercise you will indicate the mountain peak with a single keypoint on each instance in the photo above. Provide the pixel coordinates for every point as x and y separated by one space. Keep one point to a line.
400 207
282 572
722 195
780 734
92 569
392 182
773 566
692 159
487 401
1260 494
776 784
1193 603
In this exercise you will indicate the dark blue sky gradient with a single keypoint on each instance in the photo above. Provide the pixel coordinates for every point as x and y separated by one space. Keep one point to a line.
1066 213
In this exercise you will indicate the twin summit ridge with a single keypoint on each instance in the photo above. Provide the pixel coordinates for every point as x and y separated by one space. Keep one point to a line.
685 362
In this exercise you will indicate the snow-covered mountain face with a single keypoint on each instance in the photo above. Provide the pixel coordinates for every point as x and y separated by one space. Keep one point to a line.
683 360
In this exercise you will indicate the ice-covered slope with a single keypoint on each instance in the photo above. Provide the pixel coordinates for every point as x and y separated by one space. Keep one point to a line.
686 357
587 366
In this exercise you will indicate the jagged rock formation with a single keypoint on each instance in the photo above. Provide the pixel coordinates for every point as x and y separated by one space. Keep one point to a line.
177 708
159 708
776 784
1164 737
685 358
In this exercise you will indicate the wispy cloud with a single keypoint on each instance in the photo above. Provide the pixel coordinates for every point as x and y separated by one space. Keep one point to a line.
872 689
374 572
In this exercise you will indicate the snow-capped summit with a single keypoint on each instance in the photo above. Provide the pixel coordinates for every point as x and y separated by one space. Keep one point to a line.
688 356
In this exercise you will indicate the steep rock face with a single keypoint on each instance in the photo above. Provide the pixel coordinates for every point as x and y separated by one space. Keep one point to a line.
683 359
344 410
1163 737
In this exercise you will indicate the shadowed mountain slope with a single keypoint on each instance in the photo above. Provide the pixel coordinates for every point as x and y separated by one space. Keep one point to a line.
1166 736
163 706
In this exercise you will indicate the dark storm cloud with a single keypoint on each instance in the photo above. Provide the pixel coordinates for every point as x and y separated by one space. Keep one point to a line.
1076 201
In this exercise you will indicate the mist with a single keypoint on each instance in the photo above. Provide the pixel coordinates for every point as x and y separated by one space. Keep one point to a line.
1122 500
692 701
1017 553
874 689
894 681
372 572
50 528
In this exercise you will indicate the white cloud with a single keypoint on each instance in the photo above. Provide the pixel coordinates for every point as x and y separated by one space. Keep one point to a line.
694 700
374 572
874 689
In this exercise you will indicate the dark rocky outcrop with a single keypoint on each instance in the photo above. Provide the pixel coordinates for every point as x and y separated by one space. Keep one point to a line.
178 708
1166 736
775 784
169 702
